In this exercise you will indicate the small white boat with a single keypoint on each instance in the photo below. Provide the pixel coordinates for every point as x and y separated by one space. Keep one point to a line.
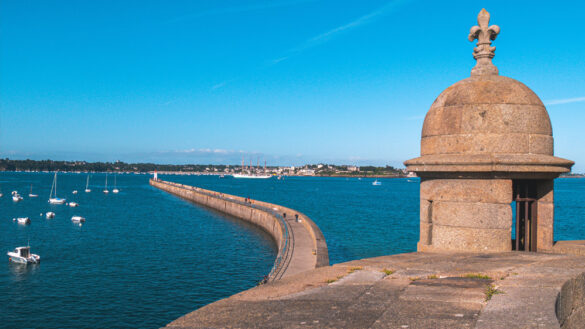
87 189
376 183
106 186
16 197
31 195
77 219
22 220
115 190
55 200
23 255
50 215
73 204
74 192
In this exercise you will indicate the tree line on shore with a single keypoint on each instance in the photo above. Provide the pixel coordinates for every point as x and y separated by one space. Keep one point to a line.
119 166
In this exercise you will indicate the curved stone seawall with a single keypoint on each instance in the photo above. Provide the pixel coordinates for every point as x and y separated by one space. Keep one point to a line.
301 245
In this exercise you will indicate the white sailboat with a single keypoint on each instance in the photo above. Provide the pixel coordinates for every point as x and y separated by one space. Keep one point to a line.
55 200
31 195
106 186
87 190
376 183
115 190
251 172
251 176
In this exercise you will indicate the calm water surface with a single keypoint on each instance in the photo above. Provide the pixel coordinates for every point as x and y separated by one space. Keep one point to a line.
144 257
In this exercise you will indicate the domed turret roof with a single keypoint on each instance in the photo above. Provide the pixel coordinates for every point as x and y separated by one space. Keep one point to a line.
487 122
487 114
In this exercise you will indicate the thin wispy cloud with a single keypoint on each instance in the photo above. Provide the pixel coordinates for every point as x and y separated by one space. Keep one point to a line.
415 117
238 9
219 85
565 101
323 37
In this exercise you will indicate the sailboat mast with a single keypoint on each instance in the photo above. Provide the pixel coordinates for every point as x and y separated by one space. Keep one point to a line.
265 167
56 184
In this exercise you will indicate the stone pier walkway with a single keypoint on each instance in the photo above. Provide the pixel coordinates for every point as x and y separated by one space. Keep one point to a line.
417 290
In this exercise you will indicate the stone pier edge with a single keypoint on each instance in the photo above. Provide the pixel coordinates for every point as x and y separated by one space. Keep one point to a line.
265 215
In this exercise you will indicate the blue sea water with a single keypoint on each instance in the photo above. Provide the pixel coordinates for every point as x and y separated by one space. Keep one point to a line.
145 257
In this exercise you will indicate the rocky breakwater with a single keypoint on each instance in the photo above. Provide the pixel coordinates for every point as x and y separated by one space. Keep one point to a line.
301 245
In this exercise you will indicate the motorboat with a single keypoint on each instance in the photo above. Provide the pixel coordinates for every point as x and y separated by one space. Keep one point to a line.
73 204
50 215
54 199
376 183
23 255
22 220
87 189
31 195
16 197
77 219
74 192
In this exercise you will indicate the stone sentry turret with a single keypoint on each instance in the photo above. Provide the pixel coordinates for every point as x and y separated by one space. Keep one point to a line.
487 164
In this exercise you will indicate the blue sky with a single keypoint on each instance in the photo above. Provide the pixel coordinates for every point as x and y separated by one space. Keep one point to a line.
291 81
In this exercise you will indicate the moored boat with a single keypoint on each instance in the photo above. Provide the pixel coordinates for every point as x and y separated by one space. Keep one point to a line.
115 190
23 255
55 199
50 215
376 183
87 189
251 176
16 197
77 219
22 220
31 195
106 186
73 204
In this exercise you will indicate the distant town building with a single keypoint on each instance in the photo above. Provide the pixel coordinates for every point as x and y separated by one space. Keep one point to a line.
353 168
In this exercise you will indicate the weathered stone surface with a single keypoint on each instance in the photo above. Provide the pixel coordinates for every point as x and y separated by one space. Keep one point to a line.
472 214
466 190
545 212
545 191
480 143
541 144
426 233
427 290
486 118
451 238
544 238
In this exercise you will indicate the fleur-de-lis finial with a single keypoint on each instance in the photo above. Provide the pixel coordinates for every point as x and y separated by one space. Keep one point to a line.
484 52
